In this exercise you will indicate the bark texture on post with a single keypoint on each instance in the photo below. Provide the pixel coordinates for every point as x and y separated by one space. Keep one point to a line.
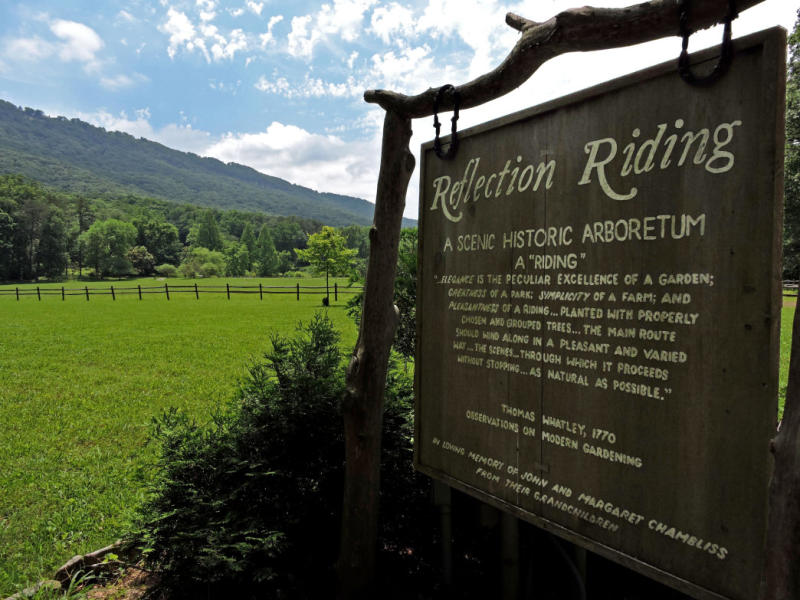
577 30
366 374
782 565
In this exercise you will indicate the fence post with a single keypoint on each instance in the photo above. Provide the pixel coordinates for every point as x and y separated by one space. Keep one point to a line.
166 290
62 293
298 291
17 294
196 293
228 288
113 295
260 292
140 290
87 293
38 293
335 291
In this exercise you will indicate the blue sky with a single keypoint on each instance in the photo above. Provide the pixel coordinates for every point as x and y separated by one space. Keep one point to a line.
278 85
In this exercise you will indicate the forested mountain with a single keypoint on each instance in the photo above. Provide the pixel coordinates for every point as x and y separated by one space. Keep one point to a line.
78 158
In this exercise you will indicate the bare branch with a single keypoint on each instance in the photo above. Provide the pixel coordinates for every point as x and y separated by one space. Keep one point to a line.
519 23
576 30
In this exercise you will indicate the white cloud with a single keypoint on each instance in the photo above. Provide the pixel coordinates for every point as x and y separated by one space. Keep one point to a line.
181 137
343 18
310 87
223 48
279 86
29 49
255 7
206 16
236 12
180 30
205 37
267 38
126 16
121 81
392 21
79 42
323 162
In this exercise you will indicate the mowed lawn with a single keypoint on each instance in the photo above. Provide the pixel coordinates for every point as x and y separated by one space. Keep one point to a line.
80 381
79 384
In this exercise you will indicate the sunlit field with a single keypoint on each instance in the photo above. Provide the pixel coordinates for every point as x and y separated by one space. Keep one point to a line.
80 381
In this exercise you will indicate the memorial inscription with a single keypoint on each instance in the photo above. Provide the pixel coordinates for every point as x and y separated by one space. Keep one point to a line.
598 318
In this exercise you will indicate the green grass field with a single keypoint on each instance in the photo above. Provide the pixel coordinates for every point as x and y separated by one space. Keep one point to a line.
79 383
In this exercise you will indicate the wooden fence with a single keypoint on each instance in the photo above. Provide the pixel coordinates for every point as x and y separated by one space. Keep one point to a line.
168 290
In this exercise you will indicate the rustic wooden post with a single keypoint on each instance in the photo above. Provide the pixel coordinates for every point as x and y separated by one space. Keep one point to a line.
166 290
113 295
196 292
228 289
17 294
781 580
38 293
87 293
298 292
335 291
62 293
139 287
581 29
260 292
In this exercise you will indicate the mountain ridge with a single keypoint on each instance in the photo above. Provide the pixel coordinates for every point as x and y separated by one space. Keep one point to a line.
77 157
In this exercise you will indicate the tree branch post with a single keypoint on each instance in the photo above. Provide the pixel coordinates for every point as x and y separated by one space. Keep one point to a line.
366 375
576 30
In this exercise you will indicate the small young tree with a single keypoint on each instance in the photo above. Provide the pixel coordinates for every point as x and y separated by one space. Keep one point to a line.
328 254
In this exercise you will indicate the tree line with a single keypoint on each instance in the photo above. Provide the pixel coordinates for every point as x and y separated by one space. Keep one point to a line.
53 235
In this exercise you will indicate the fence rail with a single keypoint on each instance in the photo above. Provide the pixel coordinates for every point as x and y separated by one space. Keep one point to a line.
166 290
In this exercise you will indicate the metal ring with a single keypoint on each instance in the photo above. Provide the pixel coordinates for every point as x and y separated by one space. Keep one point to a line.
726 54
437 143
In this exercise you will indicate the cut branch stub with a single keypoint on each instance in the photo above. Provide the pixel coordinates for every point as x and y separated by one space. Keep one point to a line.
576 30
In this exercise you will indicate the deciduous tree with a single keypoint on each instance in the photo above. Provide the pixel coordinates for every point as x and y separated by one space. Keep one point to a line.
328 254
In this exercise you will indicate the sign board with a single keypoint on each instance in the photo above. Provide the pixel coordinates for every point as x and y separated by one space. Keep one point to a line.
598 317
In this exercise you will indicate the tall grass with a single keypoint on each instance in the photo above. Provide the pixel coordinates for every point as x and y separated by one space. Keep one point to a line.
79 383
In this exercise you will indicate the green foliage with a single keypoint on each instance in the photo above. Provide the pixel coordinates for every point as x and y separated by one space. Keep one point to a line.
791 217
250 505
405 295
107 244
79 383
202 262
265 256
248 238
81 159
167 270
52 255
159 238
237 260
357 237
328 254
208 235
142 261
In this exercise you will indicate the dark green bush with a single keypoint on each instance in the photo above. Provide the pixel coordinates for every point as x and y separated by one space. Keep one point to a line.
250 506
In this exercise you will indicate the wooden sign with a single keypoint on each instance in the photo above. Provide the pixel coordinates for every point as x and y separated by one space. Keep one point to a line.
598 317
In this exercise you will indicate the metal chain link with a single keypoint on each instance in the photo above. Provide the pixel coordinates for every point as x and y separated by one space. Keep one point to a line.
437 143
726 55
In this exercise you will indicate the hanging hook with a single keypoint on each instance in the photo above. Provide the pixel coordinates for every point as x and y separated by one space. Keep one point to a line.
725 57
437 143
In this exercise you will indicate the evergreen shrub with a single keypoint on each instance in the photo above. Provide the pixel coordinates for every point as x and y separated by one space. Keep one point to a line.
250 505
